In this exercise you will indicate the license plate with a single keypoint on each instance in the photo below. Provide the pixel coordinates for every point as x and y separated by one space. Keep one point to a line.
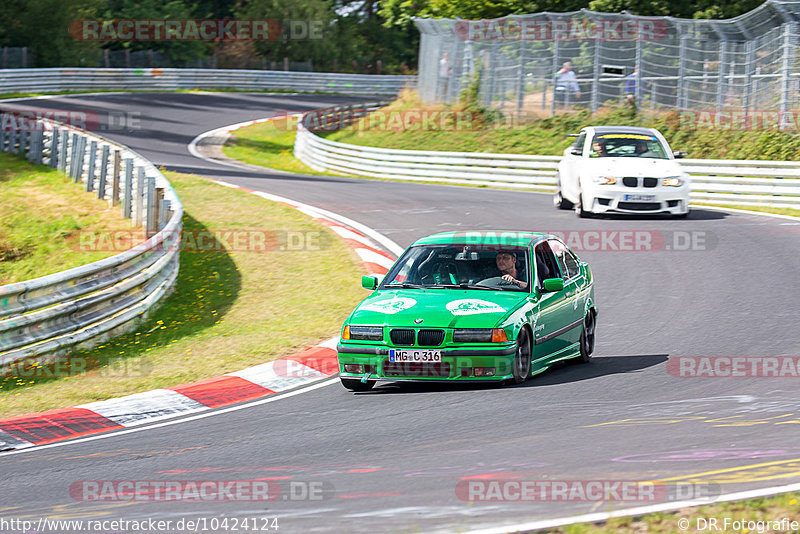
423 356
640 198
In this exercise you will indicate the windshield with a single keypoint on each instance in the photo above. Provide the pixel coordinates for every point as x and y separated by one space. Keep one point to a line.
482 267
622 145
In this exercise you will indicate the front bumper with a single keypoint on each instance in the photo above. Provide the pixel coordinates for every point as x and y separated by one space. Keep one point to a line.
621 199
458 363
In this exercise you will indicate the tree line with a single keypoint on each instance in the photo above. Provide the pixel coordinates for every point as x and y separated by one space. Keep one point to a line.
355 36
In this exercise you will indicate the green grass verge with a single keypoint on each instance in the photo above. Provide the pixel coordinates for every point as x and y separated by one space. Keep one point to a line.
42 218
762 509
268 144
232 308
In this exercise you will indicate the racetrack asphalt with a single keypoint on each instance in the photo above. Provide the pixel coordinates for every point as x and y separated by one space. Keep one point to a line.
390 460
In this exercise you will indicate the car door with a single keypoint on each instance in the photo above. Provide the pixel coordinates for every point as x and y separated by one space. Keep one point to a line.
553 313
573 287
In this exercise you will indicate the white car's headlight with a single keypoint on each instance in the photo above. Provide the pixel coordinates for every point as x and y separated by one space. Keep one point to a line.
604 180
672 181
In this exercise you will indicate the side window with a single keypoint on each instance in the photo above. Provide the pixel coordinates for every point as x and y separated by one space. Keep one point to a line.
578 143
566 260
546 266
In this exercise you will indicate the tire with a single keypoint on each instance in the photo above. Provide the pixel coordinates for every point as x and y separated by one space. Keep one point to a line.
559 201
579 211
522 358
587 338
354 384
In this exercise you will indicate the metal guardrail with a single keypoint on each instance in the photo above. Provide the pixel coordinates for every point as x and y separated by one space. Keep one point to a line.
739 182
42 319
92 79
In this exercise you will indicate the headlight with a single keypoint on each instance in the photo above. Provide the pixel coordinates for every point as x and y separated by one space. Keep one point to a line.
672 181
479 335
365 333
604 180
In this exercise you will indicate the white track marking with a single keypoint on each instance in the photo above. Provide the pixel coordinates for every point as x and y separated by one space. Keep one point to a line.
212 413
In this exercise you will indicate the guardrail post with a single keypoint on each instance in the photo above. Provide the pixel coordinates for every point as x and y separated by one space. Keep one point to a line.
127 192
2 135
54 148
12 145
79 157
73 150
115 178
90 171
21 141
101 186
138 197
62 151
36 147
151 220
165 206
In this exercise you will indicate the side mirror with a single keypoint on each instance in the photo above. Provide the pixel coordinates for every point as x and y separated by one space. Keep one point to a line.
369 282
679 154
576 151
553 284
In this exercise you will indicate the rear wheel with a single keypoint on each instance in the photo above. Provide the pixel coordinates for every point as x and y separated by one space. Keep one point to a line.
522 358
587 338
354 384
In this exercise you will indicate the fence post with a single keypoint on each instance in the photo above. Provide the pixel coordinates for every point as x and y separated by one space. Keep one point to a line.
721 85
90 171
748 80
128 189
596 76
682 90
151 221
522 74
54 148
786 65
115 178
138 198
101 186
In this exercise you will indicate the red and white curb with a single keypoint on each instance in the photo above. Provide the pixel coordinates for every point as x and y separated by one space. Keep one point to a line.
314 364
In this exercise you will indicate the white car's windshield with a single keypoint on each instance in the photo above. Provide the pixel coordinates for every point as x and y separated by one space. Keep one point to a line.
461 267
626 145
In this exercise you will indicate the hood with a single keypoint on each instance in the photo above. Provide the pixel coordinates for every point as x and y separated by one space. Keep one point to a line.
657 168
438 308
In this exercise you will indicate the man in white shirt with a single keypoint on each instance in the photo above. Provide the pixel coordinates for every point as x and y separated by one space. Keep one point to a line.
566 83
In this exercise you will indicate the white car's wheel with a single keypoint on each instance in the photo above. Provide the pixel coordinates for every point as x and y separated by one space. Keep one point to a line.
559 201
579 211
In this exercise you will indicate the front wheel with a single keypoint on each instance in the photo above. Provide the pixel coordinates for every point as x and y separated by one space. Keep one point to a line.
559 201
579 209
522 358
357 385
587 338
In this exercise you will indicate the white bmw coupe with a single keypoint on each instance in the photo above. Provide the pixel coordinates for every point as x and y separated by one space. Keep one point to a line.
621 169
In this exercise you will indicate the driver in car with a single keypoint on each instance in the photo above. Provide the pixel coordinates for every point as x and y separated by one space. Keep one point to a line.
599 150
507 263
